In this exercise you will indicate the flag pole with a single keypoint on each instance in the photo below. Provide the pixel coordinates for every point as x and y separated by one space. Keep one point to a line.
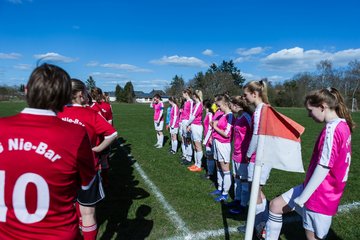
255 186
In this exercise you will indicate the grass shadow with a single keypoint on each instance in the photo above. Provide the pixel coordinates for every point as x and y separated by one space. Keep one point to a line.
112 213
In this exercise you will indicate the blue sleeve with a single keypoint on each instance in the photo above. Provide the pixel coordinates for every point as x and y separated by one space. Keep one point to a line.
168 110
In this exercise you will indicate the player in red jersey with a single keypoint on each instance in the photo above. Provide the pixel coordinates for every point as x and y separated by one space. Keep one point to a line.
41 167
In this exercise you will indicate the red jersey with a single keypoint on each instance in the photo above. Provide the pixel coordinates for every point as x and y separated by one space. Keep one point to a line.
96 125
43 163
107 110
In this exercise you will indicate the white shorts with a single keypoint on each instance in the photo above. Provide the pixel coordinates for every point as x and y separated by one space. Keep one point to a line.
240 169
196 132
312 221
209 151
265 173
159 126
174 130
222 151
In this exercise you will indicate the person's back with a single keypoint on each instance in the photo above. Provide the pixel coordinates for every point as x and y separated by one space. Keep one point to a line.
44 161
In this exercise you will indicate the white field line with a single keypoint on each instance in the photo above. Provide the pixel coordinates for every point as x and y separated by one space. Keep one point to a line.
170 211
221 232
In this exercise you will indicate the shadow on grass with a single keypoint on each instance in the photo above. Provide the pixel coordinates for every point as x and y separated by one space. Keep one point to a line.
112 213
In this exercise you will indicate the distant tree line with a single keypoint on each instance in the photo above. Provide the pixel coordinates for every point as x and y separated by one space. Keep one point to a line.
8 93
290 93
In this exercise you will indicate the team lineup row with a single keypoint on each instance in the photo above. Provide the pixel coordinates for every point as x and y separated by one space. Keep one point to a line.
316 199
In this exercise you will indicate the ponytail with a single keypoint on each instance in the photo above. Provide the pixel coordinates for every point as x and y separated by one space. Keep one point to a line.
332 97
260 87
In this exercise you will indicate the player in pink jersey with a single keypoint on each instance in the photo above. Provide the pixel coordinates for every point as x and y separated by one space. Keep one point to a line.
207 142
319 196
194 125
45 163
241 140
186 146
222 136
158 107
174 124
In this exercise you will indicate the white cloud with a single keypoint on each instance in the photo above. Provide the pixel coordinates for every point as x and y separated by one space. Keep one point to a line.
250 51
92 64
126 67
208 52
54 57
22 66
297 59
180 61
242 59
275 78
108 75
10 55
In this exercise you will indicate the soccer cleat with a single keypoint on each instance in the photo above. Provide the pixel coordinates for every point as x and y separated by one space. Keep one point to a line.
192 166
172 152
222 197
186 163
195 169
235 203
260 230
238 210
216 192
159 146
242 228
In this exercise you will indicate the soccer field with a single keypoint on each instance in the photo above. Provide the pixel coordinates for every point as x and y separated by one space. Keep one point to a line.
152 196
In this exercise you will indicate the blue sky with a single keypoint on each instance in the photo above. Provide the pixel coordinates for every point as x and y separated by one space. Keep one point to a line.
148 42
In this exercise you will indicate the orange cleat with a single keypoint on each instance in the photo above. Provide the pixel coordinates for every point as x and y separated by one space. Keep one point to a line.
196 169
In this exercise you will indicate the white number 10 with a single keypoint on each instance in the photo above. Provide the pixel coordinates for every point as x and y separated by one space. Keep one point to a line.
19 201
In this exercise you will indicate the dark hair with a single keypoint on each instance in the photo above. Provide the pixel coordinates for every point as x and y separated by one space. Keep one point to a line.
332 97
96 94
156 95
174 100
259 87
238 100
188 91
49 87
223 97
207 104
77 86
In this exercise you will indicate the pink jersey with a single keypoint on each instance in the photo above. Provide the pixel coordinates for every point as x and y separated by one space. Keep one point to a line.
208 129
217 115
332 150
187 109
174 117
225 124
197 113
96 125
158 111
43 163
242 137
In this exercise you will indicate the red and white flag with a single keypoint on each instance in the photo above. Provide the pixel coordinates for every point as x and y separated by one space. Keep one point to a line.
279 141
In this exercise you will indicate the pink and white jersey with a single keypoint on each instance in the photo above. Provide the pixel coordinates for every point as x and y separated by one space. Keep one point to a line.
225 124
197 114
158 111
107 110
208 129
44 161
242 136
96 106
332 150
187 109
174 117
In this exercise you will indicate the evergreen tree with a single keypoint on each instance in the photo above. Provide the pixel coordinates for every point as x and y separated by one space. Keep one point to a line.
129 95
90 83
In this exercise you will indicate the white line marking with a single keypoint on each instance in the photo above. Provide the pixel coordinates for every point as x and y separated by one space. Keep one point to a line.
221 232
170 211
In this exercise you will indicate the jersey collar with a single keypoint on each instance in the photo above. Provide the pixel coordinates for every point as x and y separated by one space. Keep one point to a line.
36 111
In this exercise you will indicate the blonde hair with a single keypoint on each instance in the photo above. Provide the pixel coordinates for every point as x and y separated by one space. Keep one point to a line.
199 95
260 87
332 97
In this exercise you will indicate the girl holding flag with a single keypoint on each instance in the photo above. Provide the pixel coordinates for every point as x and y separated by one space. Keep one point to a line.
320 194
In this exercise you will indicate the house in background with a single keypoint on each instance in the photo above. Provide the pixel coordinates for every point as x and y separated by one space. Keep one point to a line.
141 97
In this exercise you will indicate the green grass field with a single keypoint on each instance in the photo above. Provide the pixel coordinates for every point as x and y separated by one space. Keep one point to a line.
152 196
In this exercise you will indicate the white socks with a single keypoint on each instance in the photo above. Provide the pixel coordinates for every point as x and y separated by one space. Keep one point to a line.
227 182
220 179
273 226
183 148
237 188
260 212
174 144
161 140
189 151
198 158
